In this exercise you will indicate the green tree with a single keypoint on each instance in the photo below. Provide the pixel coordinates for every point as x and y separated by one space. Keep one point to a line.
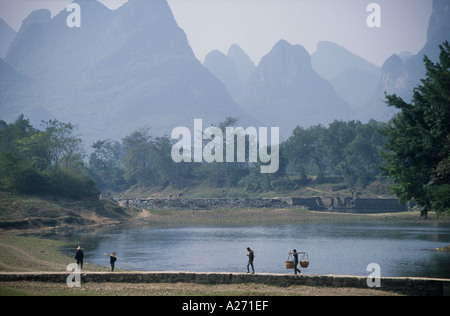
167 171
105 165
137 157
65 148
418 141
15 165
47 162
361 156
349 150
225 174
306 147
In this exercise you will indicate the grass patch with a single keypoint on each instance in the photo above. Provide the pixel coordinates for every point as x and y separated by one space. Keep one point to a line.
23 212
31 254
9 291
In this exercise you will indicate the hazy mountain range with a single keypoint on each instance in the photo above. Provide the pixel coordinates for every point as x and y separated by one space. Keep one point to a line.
121 70
284 90
7 35
133 67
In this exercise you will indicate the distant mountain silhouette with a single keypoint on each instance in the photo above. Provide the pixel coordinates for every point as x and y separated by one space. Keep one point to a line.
354 79
401 77
120 70
6 37
233 69
330 60
225 70
244 66
17 93
133 66
285 91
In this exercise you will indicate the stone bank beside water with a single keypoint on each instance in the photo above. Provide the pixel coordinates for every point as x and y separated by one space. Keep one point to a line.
407 286
336 204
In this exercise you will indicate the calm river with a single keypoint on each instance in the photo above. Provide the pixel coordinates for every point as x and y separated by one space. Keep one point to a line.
401 249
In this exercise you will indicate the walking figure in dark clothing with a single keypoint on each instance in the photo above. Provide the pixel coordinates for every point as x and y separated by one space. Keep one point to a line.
251 257
112 261
295 255
79 256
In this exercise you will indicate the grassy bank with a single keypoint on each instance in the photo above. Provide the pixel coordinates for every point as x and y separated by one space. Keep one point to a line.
198 189
37 214
271 217
48 215
31 254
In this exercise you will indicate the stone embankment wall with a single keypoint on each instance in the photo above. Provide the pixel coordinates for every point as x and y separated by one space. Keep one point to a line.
408 286
335 204
379 206
204 204
350 205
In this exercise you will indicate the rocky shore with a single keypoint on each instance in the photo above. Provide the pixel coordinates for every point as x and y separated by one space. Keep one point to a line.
333 204
180 203
447 248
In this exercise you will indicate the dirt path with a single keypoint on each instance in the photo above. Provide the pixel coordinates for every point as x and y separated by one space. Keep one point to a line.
180 289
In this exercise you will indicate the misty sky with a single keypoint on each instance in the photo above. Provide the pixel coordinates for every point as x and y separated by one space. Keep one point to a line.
256 25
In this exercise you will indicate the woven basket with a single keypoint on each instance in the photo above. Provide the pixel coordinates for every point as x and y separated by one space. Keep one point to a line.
289 264
304 263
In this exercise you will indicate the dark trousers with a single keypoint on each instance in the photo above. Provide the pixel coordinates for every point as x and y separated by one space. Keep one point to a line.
250 264
296 269
112 267
80 263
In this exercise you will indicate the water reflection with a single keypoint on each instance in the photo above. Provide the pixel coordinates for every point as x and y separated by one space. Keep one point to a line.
401 249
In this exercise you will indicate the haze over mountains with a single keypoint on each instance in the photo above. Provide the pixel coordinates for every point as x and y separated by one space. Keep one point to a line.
401 76
359 86
132 67
7 35
285 91
121 70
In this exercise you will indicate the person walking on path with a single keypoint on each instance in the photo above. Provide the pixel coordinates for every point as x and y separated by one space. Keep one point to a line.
251 257
295 255
79 256
112 261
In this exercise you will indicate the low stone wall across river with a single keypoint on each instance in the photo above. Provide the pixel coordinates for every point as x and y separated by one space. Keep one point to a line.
408 286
